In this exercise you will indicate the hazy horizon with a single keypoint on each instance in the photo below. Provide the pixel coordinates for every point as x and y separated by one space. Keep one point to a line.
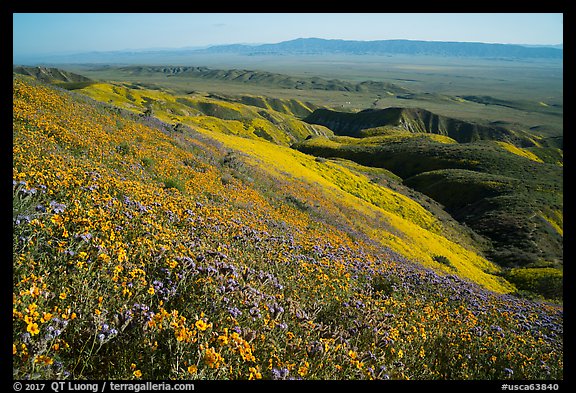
43 34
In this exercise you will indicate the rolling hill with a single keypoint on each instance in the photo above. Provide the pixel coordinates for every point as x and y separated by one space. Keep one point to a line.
263 78
159 236
274 120
50 74
505 184
416 120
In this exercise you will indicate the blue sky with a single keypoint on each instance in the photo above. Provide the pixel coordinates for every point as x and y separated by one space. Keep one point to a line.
68 33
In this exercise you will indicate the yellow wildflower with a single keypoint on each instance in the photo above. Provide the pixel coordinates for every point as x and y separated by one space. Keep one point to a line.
47 316
201 325
44 359
122 255
222 340
32 328
254 374
34 291
212 358
172 263
56 219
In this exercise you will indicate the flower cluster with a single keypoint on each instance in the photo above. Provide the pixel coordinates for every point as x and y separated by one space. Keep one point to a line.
129 250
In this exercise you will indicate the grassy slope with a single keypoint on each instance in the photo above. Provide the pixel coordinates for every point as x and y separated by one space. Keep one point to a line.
142 252
539 238
418 120
401 223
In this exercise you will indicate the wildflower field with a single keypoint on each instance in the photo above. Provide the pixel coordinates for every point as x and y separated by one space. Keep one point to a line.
145 252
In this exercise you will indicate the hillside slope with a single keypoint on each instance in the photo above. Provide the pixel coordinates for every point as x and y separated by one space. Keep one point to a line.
481 171
260 117
145 252
410 228
263 78
416 120
50 74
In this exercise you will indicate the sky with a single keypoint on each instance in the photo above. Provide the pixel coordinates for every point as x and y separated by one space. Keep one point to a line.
45 33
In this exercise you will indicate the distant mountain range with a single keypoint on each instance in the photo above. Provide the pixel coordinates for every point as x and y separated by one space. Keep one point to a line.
383 47
311 46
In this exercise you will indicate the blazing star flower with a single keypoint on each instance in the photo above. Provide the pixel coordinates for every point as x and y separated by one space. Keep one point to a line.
280 373
235 312
57 208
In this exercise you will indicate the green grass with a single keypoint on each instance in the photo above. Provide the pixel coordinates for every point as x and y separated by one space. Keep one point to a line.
547 282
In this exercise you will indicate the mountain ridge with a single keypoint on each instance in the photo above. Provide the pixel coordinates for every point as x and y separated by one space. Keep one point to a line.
415 120
315 46
50 74
379 47
265 77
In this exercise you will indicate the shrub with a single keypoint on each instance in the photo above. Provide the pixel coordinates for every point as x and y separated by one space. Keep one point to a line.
123 148
147 162
444 261
174 183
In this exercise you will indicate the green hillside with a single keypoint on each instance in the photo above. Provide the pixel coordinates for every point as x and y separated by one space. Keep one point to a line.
419 121
518 227
505 184
155 244
262 78
415 230
508 194
54 76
